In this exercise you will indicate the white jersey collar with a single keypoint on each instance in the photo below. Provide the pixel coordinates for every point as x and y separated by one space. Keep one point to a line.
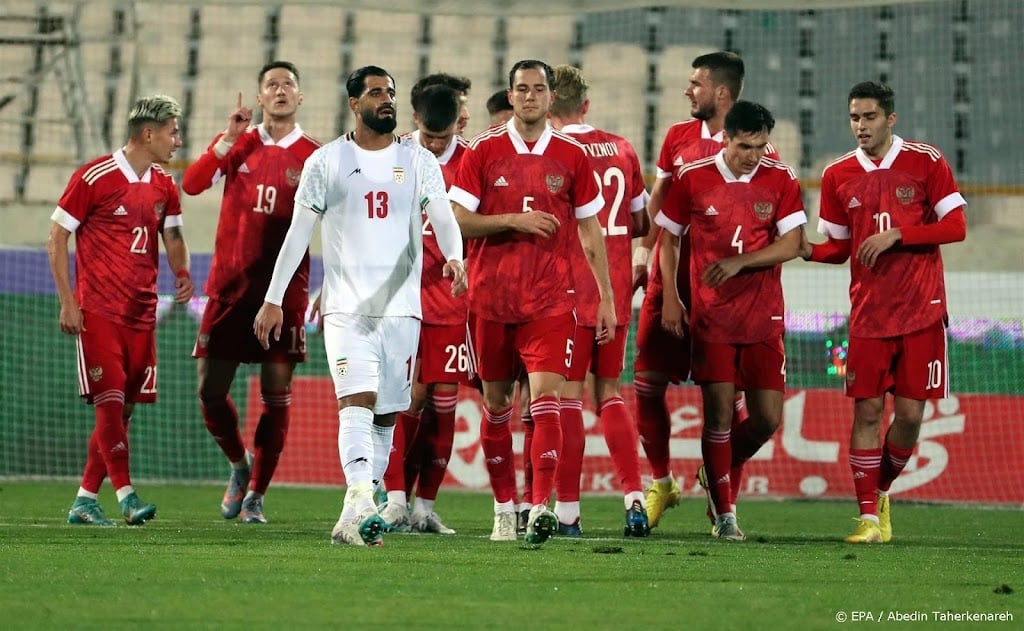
520 144
727 173
577 128
127 170
285 142
890 156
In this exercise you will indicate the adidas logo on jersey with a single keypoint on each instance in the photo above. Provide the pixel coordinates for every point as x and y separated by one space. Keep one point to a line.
854 203
501 181
244 168
710 212
120 212
551 453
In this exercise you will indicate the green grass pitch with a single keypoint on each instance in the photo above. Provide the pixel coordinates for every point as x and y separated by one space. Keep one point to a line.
191 569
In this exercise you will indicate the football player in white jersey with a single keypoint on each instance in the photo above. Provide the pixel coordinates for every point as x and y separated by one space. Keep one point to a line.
369 190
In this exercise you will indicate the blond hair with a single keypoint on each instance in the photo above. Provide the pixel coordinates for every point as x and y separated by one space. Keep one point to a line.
149 110
570 90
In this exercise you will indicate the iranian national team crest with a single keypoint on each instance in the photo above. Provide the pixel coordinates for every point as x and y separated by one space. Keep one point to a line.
905 194
399 174
554 182
341 367
96 373
293 176
763 210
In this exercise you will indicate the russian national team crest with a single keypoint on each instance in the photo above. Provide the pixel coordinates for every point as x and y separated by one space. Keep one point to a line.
293 176
399 174
905 194
96 373
341 367
554 182
763 210
159 209
204 340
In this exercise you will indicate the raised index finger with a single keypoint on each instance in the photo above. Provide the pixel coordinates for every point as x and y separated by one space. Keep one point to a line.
239 104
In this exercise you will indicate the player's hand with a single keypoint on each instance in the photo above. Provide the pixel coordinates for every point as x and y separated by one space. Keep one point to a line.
268 322
455 270
806 249
536 222
238 121
606 322
314 313
640 277
183 289
674 318
721 271
71 320
876 244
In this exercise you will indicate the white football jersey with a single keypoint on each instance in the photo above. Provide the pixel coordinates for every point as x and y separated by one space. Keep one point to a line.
370 204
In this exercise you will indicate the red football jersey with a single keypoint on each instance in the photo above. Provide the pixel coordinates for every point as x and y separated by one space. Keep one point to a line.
259 194
439 307
117 218
617 170
685 142
912 185
729 216
518 277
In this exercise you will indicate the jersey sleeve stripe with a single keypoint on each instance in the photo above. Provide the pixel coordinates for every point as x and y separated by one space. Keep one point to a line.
464 198
949 203
924 148
662 220
833 230
791 221
845 156
64 219
639 202
173 221
99 171
591 208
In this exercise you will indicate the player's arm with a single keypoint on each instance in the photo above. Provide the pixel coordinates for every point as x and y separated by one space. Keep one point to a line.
202 174
178 258
270 317
952 227
475 225
57 251
673 312
833 251
642 252
785 248
592 240
449 241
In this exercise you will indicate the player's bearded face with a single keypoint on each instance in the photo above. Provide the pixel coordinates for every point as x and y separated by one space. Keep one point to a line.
701 93
380 118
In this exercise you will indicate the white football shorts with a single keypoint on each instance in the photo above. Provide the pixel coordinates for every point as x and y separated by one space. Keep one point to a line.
372 354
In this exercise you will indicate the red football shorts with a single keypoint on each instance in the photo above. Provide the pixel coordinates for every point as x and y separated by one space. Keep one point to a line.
657 350
545 345
758 366
113 357
605 361
913 366
226 333
444 354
